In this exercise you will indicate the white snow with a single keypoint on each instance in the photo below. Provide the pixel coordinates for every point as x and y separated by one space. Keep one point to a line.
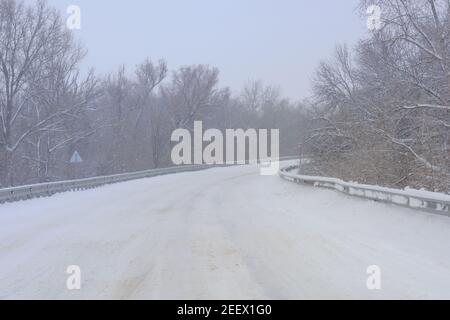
225 233
338 184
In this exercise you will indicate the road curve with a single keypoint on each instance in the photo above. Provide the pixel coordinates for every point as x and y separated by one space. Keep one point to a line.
225 233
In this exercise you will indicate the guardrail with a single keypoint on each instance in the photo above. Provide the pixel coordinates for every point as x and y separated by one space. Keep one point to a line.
414 199
48 189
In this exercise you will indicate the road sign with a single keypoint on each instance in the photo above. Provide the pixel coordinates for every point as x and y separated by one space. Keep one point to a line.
76 158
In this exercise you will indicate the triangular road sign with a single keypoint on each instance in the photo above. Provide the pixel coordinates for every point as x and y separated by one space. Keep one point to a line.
76 158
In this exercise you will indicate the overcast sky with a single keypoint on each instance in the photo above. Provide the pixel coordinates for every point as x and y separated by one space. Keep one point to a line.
277 41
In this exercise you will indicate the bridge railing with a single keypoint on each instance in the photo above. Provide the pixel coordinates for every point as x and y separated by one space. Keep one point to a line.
48 189
415 199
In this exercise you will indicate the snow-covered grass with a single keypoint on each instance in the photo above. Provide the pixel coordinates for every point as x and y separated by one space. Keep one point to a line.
221 233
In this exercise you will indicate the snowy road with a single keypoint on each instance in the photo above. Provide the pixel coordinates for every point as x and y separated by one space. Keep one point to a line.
219 234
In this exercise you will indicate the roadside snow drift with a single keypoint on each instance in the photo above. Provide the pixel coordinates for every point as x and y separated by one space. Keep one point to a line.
225 233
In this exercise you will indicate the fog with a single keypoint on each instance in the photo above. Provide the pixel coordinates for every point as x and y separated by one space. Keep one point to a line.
280 42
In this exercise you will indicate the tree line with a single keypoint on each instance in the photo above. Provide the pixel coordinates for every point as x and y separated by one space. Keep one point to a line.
118 123
381 112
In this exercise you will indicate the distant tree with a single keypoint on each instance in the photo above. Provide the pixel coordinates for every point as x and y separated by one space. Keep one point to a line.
194 95
151 111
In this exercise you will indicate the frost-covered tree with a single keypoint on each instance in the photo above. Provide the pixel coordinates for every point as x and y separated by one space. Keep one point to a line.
41 95
383 112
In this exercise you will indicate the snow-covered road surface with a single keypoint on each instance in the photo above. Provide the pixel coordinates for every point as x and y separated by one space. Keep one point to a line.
225 233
